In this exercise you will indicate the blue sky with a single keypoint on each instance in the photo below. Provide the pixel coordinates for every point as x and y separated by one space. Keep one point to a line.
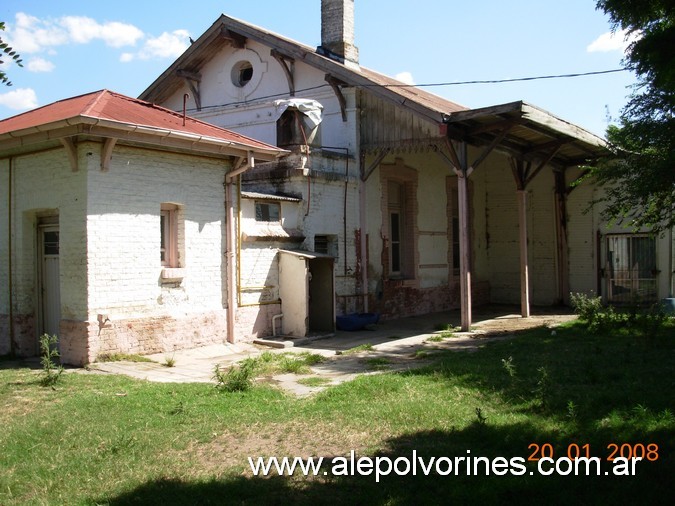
74 47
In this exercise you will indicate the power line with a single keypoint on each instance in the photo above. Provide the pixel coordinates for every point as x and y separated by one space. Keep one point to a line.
429 85
499 81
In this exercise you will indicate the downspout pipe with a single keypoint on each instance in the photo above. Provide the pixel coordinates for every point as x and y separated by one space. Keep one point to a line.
344 206
232 242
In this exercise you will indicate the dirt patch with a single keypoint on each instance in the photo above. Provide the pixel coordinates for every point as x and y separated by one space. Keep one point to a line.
515 323
412 352
232 448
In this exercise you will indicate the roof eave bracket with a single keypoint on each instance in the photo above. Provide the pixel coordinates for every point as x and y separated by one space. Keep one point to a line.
71 151
236 40
193 80
337 85
288 65
106 153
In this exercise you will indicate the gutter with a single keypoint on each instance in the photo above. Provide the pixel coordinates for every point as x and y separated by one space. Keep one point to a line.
90 124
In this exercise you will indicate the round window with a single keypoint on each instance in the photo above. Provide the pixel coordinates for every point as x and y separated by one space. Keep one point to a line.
242 73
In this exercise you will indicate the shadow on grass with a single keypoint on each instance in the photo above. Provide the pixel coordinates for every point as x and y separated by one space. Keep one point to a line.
621 391
443 484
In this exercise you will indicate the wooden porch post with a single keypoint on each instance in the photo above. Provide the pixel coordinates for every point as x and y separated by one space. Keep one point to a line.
464 234
464 252
524 266
521 173
459 162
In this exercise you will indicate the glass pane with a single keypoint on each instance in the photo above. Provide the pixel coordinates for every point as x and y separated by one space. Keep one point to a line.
267 211
162 231
394 194
395 258
395 227
51 243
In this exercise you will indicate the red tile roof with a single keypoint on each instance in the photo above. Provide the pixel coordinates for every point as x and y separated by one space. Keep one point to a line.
127 111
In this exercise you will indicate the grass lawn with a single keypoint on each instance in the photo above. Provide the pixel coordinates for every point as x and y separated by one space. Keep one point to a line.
102 439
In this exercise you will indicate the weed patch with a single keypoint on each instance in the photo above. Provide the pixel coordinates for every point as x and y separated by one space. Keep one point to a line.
359 349
378 363
122 357
639 319
237 378
51 372
313 381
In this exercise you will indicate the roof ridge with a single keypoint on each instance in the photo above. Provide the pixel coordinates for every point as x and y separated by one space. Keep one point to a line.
97 96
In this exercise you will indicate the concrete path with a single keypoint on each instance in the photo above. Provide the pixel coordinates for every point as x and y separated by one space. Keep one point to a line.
395 345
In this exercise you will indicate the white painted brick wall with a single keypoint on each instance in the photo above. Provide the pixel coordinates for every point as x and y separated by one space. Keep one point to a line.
124 220
44 183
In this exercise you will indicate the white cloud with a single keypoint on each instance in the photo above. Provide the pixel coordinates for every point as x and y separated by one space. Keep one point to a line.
405 77
167 45
612 41
39 65
33 35
83 30
19 99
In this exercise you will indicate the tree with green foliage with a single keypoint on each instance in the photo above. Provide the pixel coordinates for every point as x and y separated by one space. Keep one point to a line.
640 178
7 52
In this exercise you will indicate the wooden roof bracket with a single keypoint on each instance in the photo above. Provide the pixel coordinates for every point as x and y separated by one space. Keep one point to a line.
520 169
288 65
574 184
495 142
336 85
236 40
543 163
193 80
106 153
71 151
378 159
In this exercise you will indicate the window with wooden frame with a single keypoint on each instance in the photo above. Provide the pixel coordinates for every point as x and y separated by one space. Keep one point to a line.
399 215
269 212
453 225
396 226
326 244
168 220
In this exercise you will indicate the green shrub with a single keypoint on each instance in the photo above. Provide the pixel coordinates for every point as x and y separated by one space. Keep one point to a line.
238 378
51 372
586 307
646 320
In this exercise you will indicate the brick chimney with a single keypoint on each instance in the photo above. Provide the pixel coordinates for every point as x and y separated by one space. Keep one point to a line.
337 32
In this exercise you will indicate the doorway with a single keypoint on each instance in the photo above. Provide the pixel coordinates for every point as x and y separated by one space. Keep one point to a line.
307 292
49 288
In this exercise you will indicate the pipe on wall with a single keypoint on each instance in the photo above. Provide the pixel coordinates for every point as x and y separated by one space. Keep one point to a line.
344 207
233 243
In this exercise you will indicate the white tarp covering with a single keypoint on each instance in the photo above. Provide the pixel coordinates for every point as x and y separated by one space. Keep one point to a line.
311 110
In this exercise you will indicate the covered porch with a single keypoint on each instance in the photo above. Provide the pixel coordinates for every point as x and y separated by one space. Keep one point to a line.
543 157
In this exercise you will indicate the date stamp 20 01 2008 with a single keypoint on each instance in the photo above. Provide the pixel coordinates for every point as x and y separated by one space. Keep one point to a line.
648 451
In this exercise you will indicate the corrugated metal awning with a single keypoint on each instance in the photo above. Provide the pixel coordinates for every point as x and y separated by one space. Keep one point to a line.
310 255
269 196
